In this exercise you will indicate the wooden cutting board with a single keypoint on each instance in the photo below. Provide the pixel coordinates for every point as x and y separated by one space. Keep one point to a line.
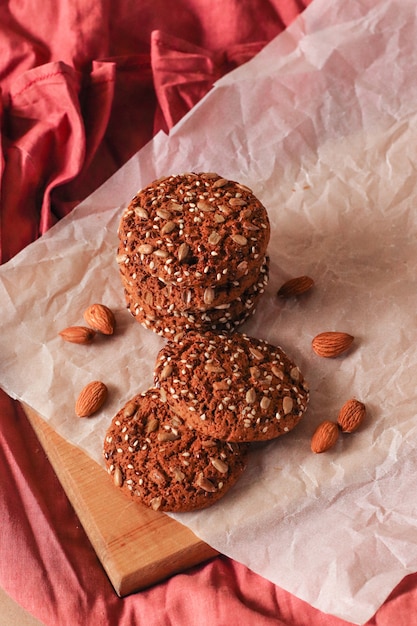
137 547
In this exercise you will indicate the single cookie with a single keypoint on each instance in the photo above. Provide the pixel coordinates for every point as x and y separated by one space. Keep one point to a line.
170 323
194 229
158 460
232 387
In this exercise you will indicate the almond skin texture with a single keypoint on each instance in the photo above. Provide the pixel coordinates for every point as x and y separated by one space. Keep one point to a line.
324 437
91 399
331 344
78 334
101 318
295 286
351 415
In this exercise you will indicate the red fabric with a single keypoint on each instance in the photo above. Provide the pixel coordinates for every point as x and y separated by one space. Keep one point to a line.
84 85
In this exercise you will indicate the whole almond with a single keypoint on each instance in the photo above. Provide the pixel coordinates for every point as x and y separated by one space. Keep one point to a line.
331 344
78 334
324 437
295 286
91 399
101 318
351 415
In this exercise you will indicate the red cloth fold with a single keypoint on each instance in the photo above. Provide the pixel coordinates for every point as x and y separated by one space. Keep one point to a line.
68 131
84 85
184 73
45 148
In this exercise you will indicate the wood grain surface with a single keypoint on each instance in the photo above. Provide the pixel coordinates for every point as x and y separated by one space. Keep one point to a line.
137 546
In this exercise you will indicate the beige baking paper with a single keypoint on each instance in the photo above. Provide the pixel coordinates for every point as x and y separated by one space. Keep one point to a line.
322 125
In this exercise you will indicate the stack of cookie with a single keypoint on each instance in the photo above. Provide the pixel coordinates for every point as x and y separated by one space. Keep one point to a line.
192 254
181 445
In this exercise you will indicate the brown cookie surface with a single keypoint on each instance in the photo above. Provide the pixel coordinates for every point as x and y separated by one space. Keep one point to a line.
232 387
170 323
156 295
155 458
175 325
177 227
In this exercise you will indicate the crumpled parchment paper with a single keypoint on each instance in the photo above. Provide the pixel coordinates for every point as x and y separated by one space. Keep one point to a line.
322 125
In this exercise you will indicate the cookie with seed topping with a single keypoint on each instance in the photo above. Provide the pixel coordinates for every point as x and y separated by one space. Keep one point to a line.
169 323
155 458
175 325
156 295
194 229
232 387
